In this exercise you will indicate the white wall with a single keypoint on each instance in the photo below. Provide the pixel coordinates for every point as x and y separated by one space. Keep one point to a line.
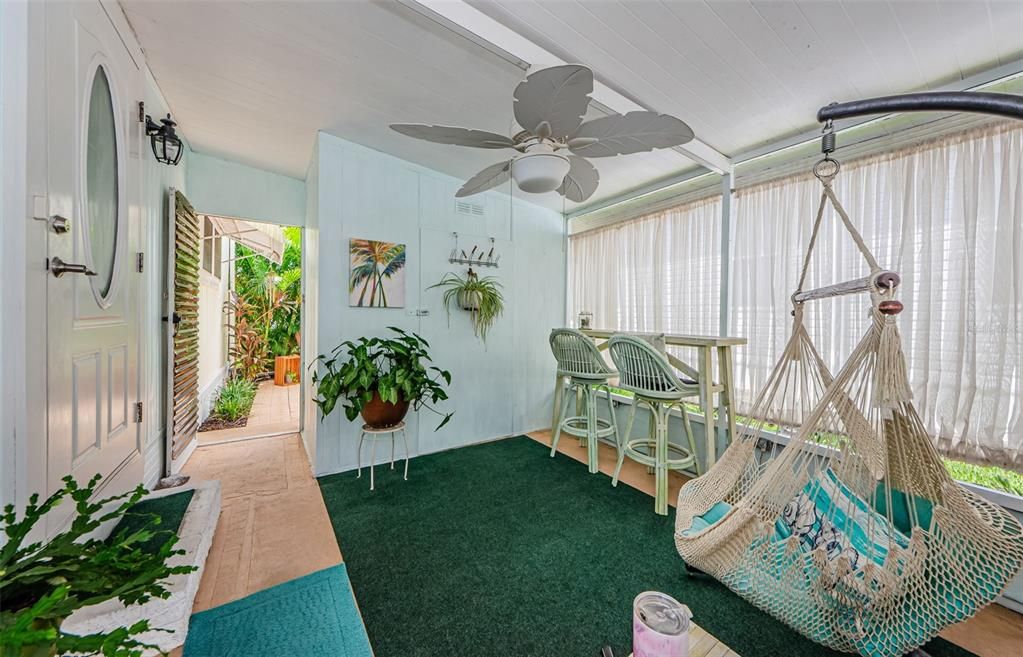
230 189
213 293
157 180
311 298
502 389
14 220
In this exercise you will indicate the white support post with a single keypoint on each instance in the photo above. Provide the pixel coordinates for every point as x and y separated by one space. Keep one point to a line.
726 252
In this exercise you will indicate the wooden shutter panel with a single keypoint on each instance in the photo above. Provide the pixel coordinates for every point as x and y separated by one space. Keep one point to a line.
184 251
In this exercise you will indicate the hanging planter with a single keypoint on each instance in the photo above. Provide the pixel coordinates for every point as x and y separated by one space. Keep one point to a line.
480 297
470 300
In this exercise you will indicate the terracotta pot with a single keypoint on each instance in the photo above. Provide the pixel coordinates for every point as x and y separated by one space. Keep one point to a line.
379 414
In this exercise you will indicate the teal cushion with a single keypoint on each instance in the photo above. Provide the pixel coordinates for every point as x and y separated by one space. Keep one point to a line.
716 513
827 514
900 509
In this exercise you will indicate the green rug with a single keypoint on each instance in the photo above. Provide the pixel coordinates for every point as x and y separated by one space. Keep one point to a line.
498 549
312 616
170 509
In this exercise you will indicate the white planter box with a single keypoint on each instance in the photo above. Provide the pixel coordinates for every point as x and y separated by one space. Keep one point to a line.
197 528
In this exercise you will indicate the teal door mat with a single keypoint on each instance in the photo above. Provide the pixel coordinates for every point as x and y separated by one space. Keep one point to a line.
498 550
312 616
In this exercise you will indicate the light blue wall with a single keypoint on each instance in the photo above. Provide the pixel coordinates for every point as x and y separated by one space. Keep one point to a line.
230 189
502 389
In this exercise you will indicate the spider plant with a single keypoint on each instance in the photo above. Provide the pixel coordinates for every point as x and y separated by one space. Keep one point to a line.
481 297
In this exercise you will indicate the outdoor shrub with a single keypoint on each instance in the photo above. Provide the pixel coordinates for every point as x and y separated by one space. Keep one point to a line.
235 399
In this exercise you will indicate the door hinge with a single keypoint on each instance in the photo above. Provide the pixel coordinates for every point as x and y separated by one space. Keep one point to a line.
138 412
142 112
140 262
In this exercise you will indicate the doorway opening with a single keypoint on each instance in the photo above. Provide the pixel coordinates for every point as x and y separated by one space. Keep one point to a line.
250 322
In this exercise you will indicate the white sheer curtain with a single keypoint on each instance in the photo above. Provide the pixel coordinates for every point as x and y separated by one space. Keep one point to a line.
948 216
659 273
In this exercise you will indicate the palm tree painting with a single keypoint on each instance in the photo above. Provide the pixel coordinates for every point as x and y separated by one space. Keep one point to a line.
378 274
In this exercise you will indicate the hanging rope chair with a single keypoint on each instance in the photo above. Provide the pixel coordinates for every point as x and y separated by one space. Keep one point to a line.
853 533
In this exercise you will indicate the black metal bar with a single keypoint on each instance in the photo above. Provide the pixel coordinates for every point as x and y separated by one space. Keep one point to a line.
1008 105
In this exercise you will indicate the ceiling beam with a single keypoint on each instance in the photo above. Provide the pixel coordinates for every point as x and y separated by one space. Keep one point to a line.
492 34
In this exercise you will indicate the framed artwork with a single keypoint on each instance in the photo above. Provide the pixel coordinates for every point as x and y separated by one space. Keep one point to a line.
377 278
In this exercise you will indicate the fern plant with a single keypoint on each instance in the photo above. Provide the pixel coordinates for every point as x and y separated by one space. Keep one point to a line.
42 583
481 297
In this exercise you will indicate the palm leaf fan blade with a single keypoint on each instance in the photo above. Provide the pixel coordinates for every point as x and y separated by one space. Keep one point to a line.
443 134
486 179
553 101
581 181
624 134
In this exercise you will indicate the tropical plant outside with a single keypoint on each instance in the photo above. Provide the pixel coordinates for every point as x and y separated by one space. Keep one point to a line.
481 297
391 367
265 307
41 584
374 263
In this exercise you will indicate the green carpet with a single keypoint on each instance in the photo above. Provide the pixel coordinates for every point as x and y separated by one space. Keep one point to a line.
312 616
498 549
170 509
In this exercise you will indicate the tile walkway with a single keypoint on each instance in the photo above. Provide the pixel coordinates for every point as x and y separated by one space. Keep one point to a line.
275 410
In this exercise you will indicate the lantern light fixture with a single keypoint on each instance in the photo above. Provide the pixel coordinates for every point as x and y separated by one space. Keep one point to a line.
167 147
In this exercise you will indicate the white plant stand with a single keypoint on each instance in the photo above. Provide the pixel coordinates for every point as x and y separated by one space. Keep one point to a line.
374 434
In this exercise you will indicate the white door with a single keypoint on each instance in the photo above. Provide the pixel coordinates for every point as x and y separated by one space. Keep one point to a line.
93 139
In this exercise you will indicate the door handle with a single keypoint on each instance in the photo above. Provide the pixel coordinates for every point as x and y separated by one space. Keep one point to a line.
58 267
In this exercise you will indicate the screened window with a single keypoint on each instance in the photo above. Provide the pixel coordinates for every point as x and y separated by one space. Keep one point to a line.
948 216
657 273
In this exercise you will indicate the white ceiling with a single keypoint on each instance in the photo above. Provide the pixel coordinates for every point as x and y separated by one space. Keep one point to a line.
742 73
253 82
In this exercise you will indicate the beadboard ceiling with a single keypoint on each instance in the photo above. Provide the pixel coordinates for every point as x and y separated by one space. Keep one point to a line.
743 73
253 82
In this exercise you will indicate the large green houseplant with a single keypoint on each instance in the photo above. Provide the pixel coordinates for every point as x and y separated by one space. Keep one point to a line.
480 297
380 378
42 583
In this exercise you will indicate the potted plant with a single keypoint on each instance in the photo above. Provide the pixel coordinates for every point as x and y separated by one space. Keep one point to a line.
42 583
380 378
481 297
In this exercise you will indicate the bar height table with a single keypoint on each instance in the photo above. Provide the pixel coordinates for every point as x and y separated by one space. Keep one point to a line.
706 346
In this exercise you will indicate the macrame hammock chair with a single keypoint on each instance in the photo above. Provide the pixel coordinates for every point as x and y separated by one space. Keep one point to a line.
854 533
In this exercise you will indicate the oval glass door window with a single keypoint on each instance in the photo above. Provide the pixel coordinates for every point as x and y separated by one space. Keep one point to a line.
101 183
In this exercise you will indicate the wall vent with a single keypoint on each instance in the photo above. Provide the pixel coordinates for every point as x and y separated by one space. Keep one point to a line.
470 208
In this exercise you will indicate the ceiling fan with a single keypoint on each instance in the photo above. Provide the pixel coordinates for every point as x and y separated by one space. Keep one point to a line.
550 105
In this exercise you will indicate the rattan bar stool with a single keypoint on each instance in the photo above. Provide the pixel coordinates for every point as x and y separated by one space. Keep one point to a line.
648 375
579 360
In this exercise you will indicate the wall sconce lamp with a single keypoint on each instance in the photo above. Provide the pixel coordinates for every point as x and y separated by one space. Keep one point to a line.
166 143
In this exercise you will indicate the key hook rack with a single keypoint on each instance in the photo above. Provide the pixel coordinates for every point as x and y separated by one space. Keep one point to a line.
477 257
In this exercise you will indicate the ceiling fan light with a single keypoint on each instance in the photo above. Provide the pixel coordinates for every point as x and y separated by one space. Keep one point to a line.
537 173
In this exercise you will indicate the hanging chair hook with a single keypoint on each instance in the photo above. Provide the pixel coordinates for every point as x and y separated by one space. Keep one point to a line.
827 168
